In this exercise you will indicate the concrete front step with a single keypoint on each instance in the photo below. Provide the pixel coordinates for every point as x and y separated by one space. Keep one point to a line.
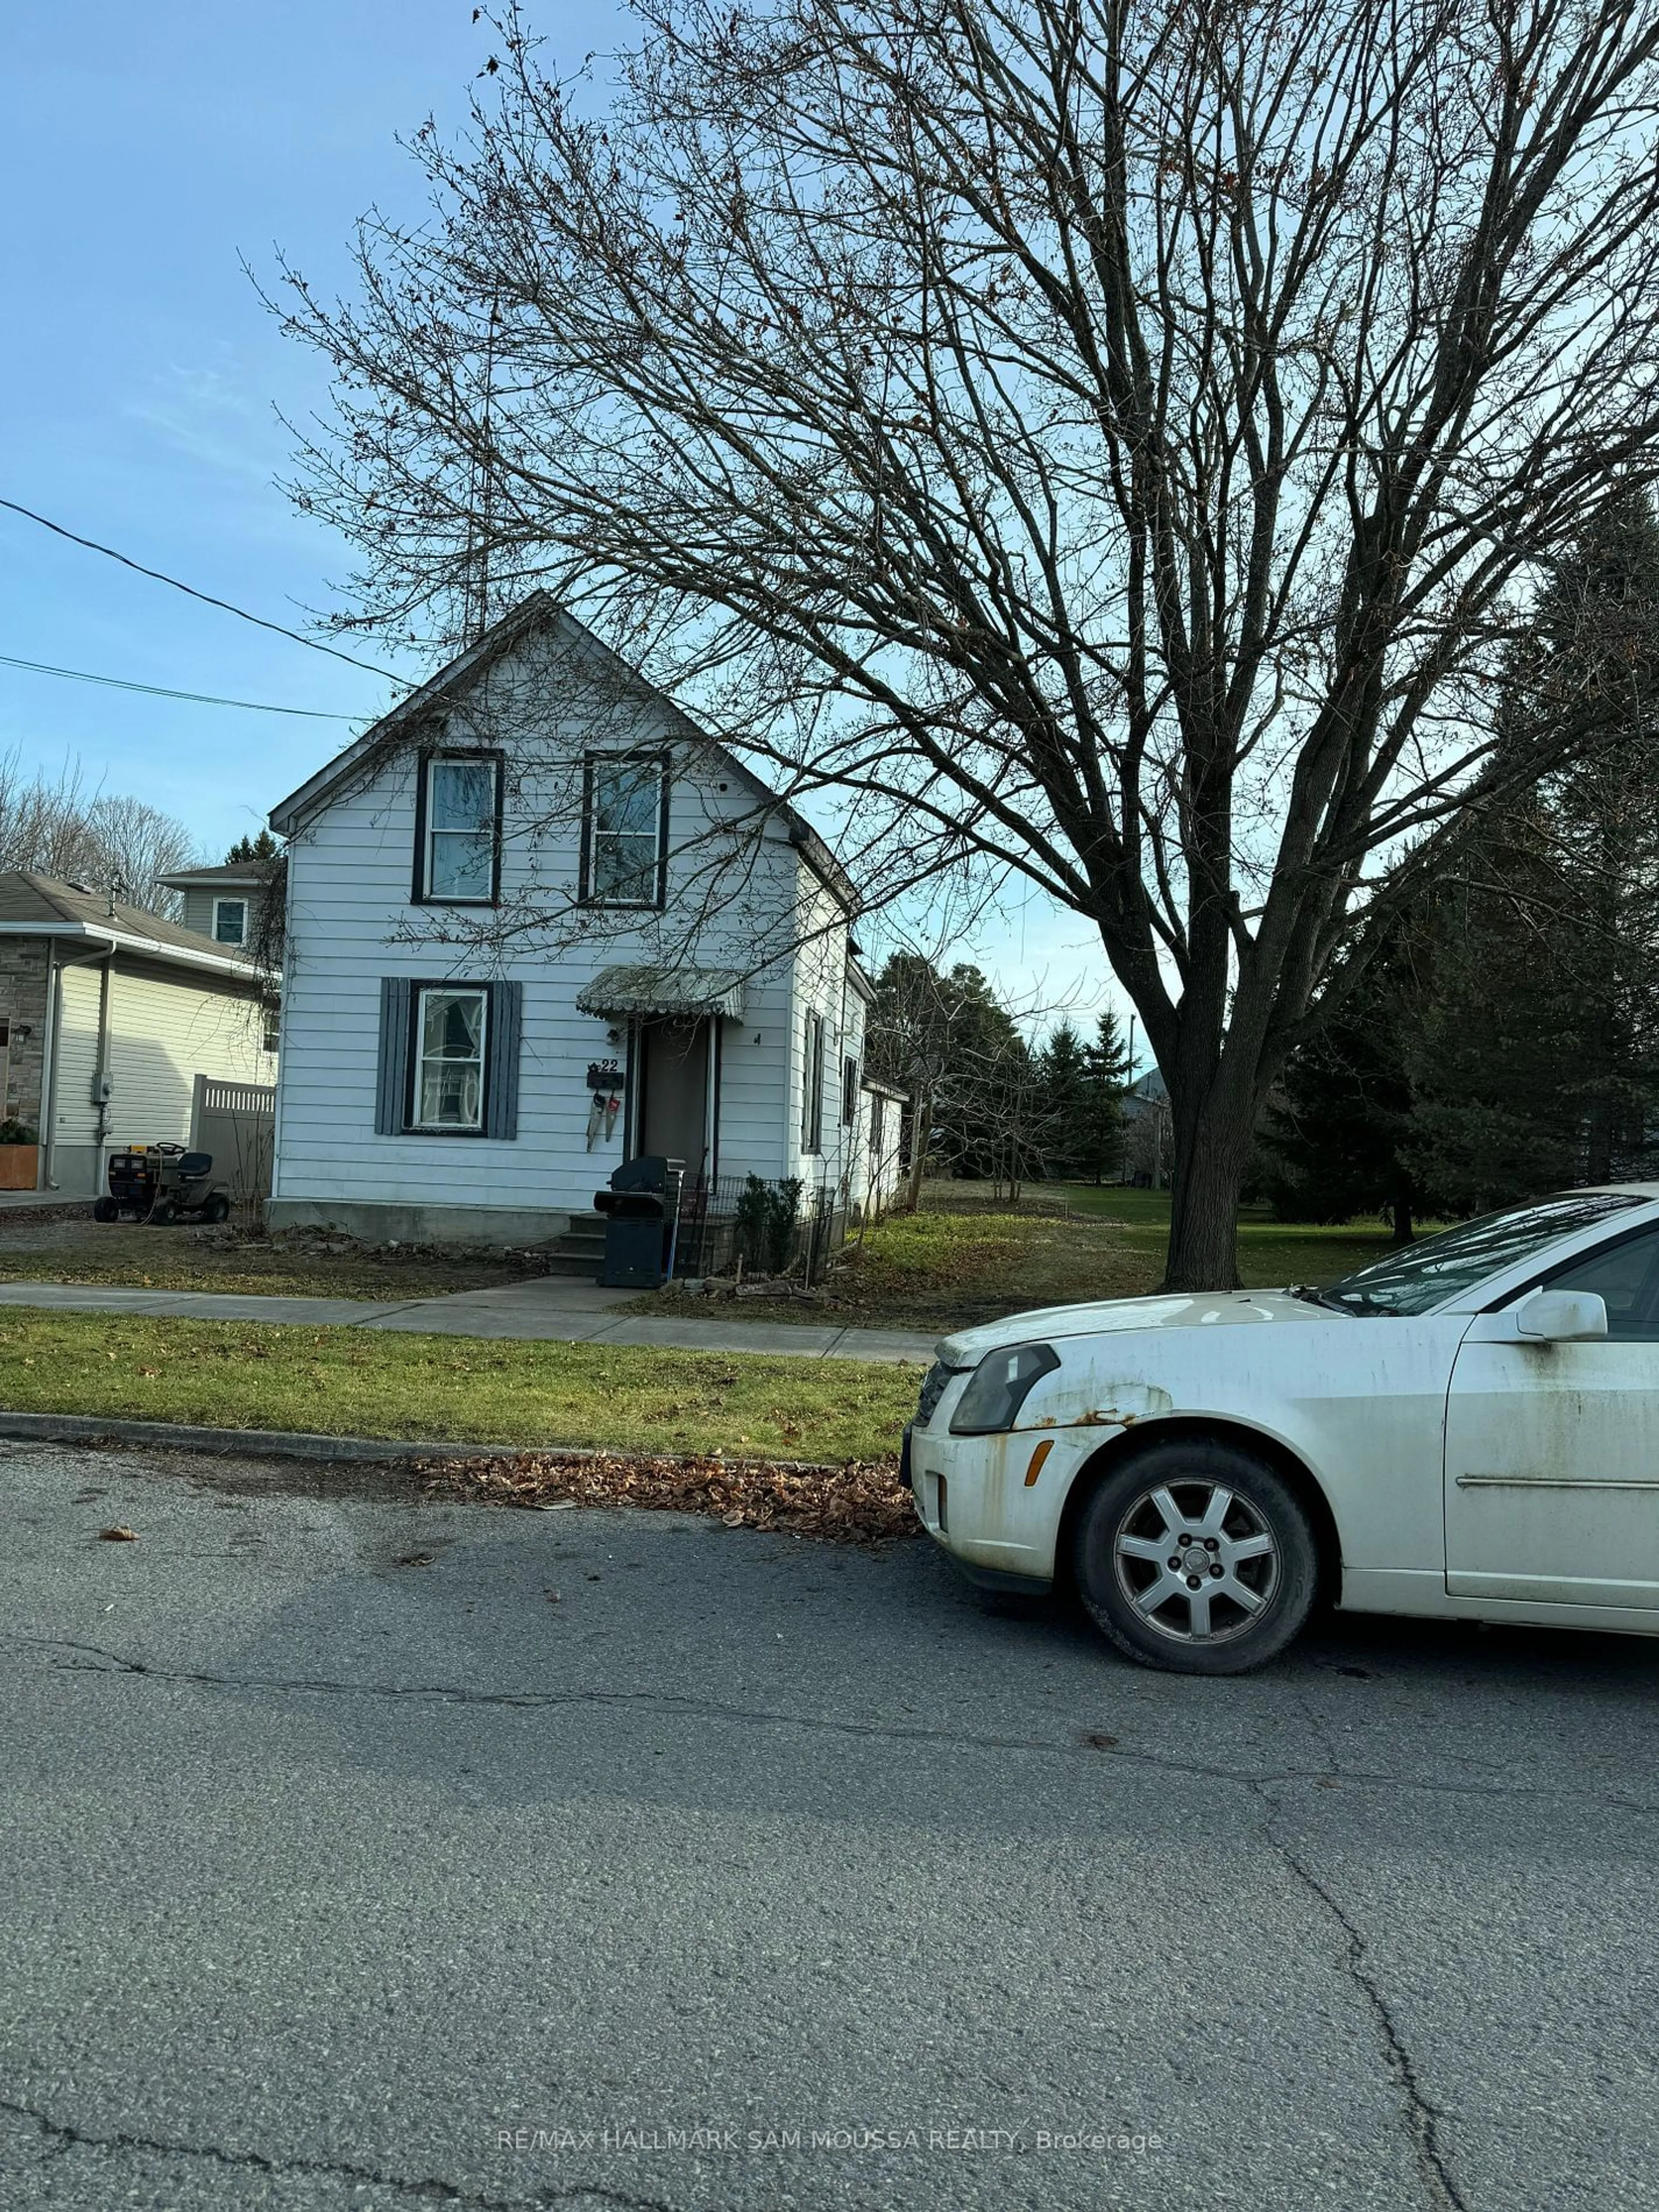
580 1250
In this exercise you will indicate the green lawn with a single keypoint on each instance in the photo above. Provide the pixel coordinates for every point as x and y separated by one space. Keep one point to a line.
346 1381
945 1270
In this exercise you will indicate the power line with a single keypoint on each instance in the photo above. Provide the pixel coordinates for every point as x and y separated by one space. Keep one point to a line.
191 592
165 691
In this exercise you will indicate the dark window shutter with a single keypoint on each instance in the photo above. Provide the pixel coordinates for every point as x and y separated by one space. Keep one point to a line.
393 1078
502 1084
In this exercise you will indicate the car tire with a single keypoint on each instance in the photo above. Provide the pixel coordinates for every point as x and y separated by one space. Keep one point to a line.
1196 1557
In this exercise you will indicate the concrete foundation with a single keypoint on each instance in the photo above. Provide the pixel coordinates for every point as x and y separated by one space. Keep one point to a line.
77 1170
420 1224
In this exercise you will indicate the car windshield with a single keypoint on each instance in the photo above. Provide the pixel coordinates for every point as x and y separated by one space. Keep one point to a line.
1412 1281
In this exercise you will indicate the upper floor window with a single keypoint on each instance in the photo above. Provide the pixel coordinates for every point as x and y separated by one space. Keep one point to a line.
625 830
458 857
230 921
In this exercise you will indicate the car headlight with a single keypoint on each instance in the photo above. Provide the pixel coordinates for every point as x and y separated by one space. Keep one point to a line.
1002 1383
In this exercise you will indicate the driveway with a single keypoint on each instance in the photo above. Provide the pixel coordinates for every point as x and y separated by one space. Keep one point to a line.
361 1853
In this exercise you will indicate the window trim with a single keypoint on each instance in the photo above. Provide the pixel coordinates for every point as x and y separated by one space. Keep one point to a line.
851 1080
243 902
418 988
662 761
811 1101
435 757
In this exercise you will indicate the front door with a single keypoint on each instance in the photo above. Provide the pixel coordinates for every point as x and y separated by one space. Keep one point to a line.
672 1062
1553 1449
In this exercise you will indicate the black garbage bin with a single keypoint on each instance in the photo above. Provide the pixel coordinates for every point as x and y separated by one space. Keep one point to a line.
639 1208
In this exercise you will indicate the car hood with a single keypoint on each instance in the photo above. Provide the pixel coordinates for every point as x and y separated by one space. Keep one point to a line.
1110 1317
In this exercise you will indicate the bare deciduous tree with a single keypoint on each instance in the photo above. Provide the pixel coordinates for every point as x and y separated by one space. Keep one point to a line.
1104 443
136 844
54 828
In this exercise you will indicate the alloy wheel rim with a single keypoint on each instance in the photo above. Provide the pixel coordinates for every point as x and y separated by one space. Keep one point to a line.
1198 1563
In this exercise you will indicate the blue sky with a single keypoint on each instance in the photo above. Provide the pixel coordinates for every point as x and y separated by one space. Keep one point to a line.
149 151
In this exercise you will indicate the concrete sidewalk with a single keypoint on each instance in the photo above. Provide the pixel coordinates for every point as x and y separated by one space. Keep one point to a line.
549 1310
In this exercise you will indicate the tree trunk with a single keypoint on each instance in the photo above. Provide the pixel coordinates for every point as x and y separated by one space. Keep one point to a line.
1210 1150
1405 1229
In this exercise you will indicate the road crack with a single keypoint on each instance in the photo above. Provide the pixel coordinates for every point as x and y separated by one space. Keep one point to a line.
92 1658
1423 2118
62 2136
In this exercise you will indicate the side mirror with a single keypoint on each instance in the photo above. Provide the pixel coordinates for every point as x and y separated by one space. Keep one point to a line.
1561 1316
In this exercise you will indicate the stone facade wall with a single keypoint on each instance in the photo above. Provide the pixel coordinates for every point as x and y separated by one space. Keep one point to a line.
23 962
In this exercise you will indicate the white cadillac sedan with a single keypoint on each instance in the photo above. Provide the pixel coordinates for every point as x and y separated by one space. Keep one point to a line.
1469 1427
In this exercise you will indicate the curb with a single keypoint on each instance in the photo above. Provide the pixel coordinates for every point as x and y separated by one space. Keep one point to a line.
299 1444
253 1444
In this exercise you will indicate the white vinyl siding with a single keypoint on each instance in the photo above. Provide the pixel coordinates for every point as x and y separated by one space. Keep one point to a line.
75 1118
349 926
164 1030
163 1034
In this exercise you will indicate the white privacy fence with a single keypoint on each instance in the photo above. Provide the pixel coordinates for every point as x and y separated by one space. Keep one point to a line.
237 1123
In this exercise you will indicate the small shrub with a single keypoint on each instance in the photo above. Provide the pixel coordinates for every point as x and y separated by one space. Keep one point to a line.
764 1220
14 1131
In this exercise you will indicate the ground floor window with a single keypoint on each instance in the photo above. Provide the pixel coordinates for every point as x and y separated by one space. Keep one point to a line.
450 1059
449 1062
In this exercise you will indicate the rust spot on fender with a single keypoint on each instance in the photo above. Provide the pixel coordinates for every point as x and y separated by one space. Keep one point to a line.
1119 1405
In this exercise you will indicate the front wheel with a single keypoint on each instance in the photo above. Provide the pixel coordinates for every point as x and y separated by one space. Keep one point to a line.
1195 1557
104 1209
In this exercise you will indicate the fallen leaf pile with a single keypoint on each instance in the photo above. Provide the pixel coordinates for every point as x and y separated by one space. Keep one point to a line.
860 1503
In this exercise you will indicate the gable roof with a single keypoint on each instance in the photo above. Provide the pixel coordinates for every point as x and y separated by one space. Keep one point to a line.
541 610
32 904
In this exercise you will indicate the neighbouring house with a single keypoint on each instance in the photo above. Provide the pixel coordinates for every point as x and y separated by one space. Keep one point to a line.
539 923
1147 1131
880 1153
222 904
112 1020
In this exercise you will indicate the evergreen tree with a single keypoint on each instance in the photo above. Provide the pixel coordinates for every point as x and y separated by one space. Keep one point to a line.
262 848
1334 1132
1535 1060
947 1039
1101 1151
1067 1102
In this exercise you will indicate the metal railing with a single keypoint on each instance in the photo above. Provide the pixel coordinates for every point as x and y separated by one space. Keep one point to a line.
782 1228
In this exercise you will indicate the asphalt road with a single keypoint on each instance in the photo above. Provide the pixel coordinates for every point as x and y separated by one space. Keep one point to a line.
343 1864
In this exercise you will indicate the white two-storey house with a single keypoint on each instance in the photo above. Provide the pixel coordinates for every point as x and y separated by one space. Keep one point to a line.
538 923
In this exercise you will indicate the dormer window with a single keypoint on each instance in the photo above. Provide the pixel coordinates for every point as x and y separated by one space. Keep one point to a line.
458 831
625 829
230 921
